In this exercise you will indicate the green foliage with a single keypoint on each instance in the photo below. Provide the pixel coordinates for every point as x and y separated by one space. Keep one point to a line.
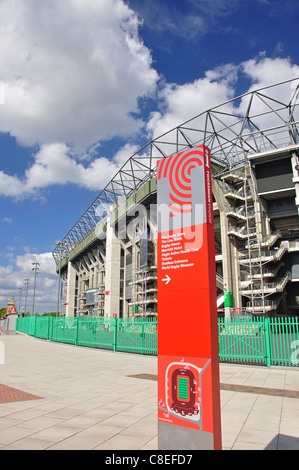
2 312
51 314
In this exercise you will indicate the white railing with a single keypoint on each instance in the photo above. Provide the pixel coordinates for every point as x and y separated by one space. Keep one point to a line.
269 287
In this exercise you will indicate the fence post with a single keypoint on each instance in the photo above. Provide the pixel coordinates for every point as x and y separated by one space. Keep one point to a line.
142 336
267 331
48 327
77 330
115 324
50 333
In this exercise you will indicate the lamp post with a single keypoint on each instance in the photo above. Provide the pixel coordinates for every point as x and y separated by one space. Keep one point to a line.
27 284
62 252
20 293
36 273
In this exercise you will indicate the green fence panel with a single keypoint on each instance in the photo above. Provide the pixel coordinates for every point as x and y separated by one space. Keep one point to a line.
242 340
267 333
137 336
129 336
21 325
263 341
285 341
96 332
150 343
26 324
32 325
42 327
64 330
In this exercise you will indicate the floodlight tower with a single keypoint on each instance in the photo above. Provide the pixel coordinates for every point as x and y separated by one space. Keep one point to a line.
27 285
20 294
36 273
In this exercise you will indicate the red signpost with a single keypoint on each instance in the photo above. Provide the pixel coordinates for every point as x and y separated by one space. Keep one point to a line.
188 360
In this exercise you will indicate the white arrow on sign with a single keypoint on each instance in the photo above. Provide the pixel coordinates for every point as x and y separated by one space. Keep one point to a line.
167 279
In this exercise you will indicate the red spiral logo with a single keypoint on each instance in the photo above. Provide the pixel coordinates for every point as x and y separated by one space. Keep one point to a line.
178 169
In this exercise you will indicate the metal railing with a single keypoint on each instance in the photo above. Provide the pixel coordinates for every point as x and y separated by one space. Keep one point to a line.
4 322
248 340
96 332
271 287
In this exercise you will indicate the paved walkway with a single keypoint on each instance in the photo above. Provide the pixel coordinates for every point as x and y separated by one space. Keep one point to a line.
80 398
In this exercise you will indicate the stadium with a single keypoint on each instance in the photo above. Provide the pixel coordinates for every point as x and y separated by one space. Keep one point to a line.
107 262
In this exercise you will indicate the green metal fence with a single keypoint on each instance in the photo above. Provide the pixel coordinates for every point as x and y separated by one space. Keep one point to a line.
241 340
97 332
264 341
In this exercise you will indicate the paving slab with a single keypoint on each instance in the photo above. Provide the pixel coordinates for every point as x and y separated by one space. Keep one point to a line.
69 397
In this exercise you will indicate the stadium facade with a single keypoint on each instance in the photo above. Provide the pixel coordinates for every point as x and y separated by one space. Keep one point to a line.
107 262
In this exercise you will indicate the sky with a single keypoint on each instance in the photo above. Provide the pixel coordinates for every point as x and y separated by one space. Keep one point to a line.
86 83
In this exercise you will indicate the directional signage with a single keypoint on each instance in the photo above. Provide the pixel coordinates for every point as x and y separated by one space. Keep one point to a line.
166 279
188 361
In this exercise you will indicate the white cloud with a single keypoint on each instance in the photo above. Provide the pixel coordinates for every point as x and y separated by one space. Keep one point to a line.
45 260
59 164
7 220
12 279
266 71
182 102
72 71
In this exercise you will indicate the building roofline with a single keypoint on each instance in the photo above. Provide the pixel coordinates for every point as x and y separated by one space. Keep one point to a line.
241 129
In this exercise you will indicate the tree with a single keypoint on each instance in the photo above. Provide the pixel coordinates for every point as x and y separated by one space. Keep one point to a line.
2 312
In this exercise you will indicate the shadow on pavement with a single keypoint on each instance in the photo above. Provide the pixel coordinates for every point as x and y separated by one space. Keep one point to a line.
283 442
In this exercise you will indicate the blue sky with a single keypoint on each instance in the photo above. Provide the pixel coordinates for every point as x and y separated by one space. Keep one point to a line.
84 84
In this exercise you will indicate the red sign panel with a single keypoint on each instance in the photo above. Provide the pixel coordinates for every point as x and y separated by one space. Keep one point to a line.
188 361
12 310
